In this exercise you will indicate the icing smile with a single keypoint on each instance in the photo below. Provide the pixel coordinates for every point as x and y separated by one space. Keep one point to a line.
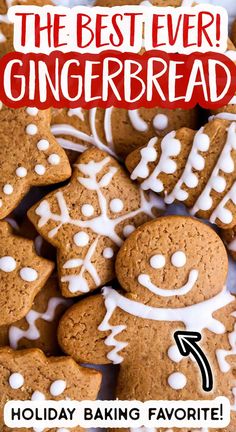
145 281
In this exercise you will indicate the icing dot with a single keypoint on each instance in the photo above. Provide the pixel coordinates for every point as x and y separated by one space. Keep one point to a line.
174 354
57 387
81 239
43 144
40 169
7 264
32 111
54 159
8 189
116 205
157 261
0 203
37 396
87 210
160 121
177 381
28 274
16 380
31 129
108 253
128 229
21 172
178 259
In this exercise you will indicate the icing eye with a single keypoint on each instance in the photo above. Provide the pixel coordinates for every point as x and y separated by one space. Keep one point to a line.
157 261
178 259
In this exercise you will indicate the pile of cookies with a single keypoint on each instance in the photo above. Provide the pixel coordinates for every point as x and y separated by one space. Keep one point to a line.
83 202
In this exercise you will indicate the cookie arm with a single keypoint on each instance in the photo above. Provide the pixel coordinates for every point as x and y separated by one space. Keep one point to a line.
78 333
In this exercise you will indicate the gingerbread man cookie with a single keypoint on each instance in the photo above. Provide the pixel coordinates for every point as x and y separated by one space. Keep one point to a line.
88 219
196 169
29 375
22 274
173 271
29 155
6 28
39 327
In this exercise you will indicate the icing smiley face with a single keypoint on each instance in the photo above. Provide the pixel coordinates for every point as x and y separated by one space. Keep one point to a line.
178 260
172 261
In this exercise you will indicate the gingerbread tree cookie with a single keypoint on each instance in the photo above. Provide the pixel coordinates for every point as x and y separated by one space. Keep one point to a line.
39 327
22 274
29 375
196 169
29 155
173 270
88 219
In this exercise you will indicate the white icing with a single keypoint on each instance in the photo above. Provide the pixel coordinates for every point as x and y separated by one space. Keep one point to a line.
108 127
7 264
170 147
157 261
196 317
127 230
7 189
232 245
40 169
77 282
177 381
28 274
224 116
38 396
101 224
70 145
16 380
81 239
78 112
108 253
87 210
221 212
174 354
178 259
145 281
32 111
160 122
195 162
54 159
43 145
32 332
57 387
1 203
21 172
116 205
222 354
137 121
96 140
217 182
31 129
2 37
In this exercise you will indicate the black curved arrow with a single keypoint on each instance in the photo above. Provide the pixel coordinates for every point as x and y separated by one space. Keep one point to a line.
186 342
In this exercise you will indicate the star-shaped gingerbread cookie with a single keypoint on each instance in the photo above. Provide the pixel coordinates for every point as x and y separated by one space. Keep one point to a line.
29 155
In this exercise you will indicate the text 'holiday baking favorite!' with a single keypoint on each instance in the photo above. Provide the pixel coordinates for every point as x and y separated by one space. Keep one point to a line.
126 57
